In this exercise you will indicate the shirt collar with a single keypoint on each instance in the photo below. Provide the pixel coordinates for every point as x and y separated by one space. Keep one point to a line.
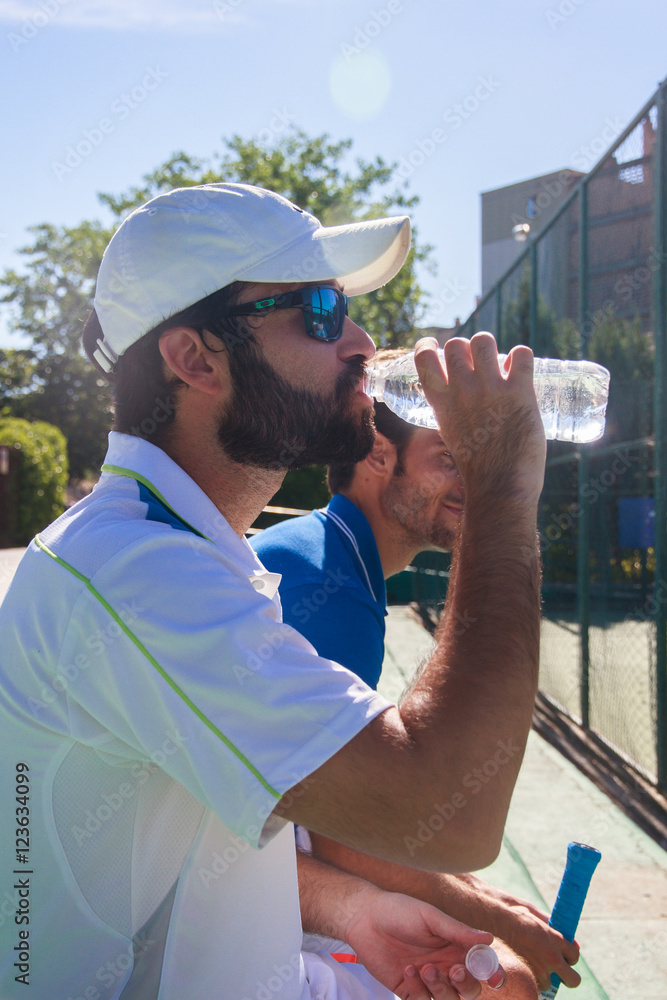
358 524
135 458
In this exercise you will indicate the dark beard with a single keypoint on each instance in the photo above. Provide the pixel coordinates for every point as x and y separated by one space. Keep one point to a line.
270 424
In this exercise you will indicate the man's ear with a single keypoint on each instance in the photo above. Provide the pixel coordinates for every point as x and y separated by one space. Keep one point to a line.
185 354
383 457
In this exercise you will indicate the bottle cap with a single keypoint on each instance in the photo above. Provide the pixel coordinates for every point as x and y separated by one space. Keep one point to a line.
482 962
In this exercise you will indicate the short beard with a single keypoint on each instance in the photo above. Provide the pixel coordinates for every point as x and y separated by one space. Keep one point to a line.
270 424
408 506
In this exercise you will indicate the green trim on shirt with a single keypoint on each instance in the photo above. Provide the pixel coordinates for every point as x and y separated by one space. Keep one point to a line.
118 470
151 659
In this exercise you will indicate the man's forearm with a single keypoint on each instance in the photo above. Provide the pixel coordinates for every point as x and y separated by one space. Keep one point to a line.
328 896
330 899
481 681
520 925
454 894
470 710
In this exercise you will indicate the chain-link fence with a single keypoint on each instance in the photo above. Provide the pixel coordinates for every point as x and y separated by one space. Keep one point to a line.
593 284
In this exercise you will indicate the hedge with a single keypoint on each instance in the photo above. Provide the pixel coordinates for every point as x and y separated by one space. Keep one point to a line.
38 489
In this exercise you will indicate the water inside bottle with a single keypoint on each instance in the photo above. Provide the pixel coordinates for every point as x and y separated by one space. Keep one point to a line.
572 401
403 394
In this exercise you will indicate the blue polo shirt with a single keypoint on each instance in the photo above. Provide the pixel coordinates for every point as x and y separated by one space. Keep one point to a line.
332 589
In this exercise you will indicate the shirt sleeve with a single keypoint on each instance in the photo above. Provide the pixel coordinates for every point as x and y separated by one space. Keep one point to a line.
200 654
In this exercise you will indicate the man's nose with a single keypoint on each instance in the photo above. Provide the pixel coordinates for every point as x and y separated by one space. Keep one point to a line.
355 341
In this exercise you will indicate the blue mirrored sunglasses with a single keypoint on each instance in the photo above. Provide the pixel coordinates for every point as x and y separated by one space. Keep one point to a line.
324 309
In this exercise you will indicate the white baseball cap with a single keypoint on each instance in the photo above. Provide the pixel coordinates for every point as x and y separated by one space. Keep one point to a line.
186 244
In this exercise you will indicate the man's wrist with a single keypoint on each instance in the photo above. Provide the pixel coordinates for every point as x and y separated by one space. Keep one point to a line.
518 506
332 900
357 901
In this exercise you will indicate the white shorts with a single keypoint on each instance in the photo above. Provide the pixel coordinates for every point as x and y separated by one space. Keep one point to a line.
331 980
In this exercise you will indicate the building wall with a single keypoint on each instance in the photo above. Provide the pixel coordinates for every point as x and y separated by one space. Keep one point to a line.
621 250
534 202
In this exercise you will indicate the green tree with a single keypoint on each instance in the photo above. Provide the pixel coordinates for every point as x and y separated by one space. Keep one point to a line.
50 299
17 369
617 343
515 317
303 489
37 489
629 353
50 303
311 172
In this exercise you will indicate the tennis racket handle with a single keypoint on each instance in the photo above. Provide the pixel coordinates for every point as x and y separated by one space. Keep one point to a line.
581 863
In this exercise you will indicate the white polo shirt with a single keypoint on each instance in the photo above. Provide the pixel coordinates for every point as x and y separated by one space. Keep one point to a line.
153 709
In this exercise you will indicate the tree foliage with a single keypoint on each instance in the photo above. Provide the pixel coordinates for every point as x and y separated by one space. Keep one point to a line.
50 302
311 172
629 353
38 487
50 299
303 489
17 369
620 344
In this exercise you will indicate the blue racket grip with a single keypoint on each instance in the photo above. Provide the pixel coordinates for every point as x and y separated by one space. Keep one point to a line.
581 863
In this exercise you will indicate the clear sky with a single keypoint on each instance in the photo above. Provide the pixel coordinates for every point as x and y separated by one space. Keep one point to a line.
513 88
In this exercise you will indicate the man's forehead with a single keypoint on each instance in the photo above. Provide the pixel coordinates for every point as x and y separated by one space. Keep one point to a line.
258 289
425 438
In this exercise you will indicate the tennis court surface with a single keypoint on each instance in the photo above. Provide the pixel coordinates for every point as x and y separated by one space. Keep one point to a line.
623 929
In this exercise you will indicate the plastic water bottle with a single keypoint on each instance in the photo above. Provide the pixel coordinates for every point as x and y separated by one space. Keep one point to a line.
571 395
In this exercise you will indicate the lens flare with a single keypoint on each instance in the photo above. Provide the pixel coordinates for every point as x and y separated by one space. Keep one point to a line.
360 84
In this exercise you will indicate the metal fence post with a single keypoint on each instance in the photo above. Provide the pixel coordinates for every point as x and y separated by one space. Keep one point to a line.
532 322
499 317
583 535
660 429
